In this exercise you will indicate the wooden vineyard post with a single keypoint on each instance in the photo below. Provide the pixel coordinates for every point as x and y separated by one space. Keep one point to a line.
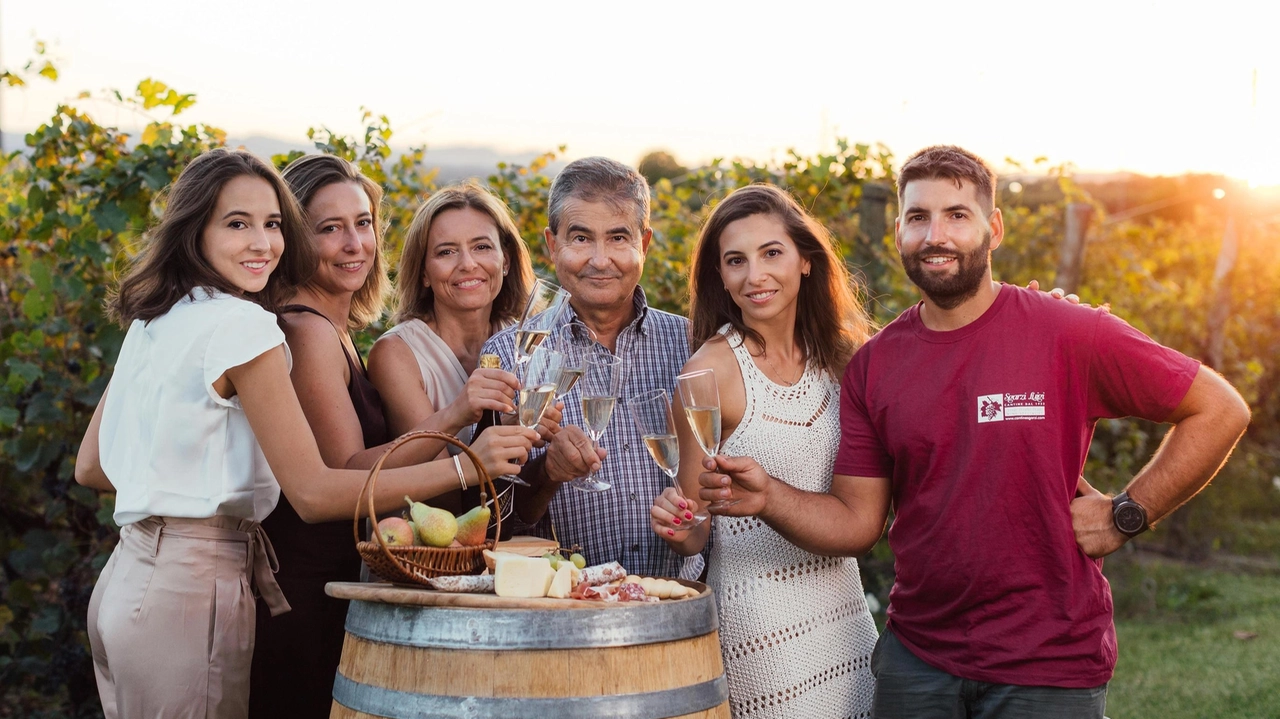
872 226
1220 310
1071 260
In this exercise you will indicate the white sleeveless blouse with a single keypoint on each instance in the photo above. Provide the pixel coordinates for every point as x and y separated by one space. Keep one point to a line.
169 443
795 632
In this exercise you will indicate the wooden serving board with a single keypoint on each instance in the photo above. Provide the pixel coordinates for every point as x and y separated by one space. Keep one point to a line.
423 597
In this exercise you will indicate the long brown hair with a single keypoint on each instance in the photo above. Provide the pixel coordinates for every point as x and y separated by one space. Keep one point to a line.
414 300
171 263
309 174
830 320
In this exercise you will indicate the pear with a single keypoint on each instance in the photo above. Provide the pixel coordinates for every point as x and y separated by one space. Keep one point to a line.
473 526
436 527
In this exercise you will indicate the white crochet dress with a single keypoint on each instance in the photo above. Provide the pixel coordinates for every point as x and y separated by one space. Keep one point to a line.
794 627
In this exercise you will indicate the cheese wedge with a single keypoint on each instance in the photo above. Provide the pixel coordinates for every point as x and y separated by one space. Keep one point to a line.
562 584
516 576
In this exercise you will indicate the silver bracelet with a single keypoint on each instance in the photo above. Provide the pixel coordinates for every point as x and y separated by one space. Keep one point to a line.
462 478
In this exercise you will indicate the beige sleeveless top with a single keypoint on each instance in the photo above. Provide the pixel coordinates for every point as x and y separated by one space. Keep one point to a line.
442 374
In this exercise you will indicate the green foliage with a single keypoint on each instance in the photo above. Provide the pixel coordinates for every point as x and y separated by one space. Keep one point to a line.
74 205
70 209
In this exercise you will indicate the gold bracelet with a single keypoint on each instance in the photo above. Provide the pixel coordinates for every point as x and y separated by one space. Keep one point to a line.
462 478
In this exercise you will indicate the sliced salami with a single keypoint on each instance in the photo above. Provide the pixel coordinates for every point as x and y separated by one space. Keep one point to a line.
467 584
603 574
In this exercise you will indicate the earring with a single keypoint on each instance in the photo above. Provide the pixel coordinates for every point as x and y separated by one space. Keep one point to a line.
505 270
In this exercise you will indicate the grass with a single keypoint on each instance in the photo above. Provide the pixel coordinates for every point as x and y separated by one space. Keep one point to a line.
1176 624
1180 657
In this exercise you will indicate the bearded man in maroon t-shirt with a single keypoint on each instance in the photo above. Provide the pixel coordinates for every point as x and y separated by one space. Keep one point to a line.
972 413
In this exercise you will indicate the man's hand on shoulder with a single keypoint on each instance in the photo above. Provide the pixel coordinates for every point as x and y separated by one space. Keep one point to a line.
1060 294
1093 522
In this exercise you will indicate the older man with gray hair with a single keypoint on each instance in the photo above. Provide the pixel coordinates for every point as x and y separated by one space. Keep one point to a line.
597 236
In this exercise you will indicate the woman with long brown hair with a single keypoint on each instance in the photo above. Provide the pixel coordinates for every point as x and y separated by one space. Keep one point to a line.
776 317
198 434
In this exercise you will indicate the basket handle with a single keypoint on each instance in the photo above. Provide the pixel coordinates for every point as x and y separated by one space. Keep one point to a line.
485 484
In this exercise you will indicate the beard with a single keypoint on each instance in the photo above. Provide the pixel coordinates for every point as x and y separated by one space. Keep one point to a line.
950 292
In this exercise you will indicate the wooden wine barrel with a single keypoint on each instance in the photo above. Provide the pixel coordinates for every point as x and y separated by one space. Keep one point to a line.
419 653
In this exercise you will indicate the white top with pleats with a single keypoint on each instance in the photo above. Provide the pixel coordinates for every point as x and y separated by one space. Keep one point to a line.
795 631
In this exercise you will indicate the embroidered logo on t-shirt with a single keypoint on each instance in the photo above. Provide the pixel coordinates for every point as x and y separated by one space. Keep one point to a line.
999 407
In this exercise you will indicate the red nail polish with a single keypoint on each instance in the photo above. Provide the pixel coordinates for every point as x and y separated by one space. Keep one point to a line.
676 520
683 505
670 532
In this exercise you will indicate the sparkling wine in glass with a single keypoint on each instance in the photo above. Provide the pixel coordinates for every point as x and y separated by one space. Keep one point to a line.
599 392
700 397
547 303
537 392
652 414
576 342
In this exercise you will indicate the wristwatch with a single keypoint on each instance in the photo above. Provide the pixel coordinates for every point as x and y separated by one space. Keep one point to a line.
1129 516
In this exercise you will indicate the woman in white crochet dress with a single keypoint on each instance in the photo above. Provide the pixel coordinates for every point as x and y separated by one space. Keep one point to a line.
775 315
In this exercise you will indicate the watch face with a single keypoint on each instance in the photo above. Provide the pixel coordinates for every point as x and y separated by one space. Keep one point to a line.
1129 518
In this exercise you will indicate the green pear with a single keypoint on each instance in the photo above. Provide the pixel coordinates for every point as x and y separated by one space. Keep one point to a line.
473 526
436 527
417 540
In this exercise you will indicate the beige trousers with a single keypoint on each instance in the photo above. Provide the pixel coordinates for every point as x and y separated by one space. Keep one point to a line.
171 620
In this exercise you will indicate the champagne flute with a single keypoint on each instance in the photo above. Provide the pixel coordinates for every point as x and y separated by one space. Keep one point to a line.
576 342
537 392
700 397
599 395
652 414
547 302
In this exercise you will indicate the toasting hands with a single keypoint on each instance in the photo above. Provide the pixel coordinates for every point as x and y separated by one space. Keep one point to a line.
734 478
485 389
571 455
503 449
671 516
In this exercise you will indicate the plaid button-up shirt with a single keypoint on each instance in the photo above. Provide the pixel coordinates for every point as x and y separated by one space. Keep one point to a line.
614 525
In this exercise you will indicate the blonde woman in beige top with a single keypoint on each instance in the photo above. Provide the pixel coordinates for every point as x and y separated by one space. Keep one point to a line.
464 274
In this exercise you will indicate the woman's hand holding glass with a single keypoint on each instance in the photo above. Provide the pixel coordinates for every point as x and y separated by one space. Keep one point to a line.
671 516
502 450
671 511
486 389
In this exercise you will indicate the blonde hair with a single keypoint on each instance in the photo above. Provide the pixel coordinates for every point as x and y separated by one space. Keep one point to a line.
309 174
412 300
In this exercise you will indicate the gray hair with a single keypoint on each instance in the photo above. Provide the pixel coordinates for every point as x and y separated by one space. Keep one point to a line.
593 179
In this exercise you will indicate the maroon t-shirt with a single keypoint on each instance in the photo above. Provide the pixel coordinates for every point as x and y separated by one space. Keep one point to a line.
984 431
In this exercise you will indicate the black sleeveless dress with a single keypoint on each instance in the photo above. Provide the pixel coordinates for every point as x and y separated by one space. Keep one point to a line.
296 654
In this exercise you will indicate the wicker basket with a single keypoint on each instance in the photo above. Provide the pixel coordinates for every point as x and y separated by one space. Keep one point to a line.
415 565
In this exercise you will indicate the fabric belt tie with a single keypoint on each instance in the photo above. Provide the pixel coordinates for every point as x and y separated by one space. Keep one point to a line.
260 560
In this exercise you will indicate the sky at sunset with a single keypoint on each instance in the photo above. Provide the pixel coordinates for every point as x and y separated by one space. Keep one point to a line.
1156 88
